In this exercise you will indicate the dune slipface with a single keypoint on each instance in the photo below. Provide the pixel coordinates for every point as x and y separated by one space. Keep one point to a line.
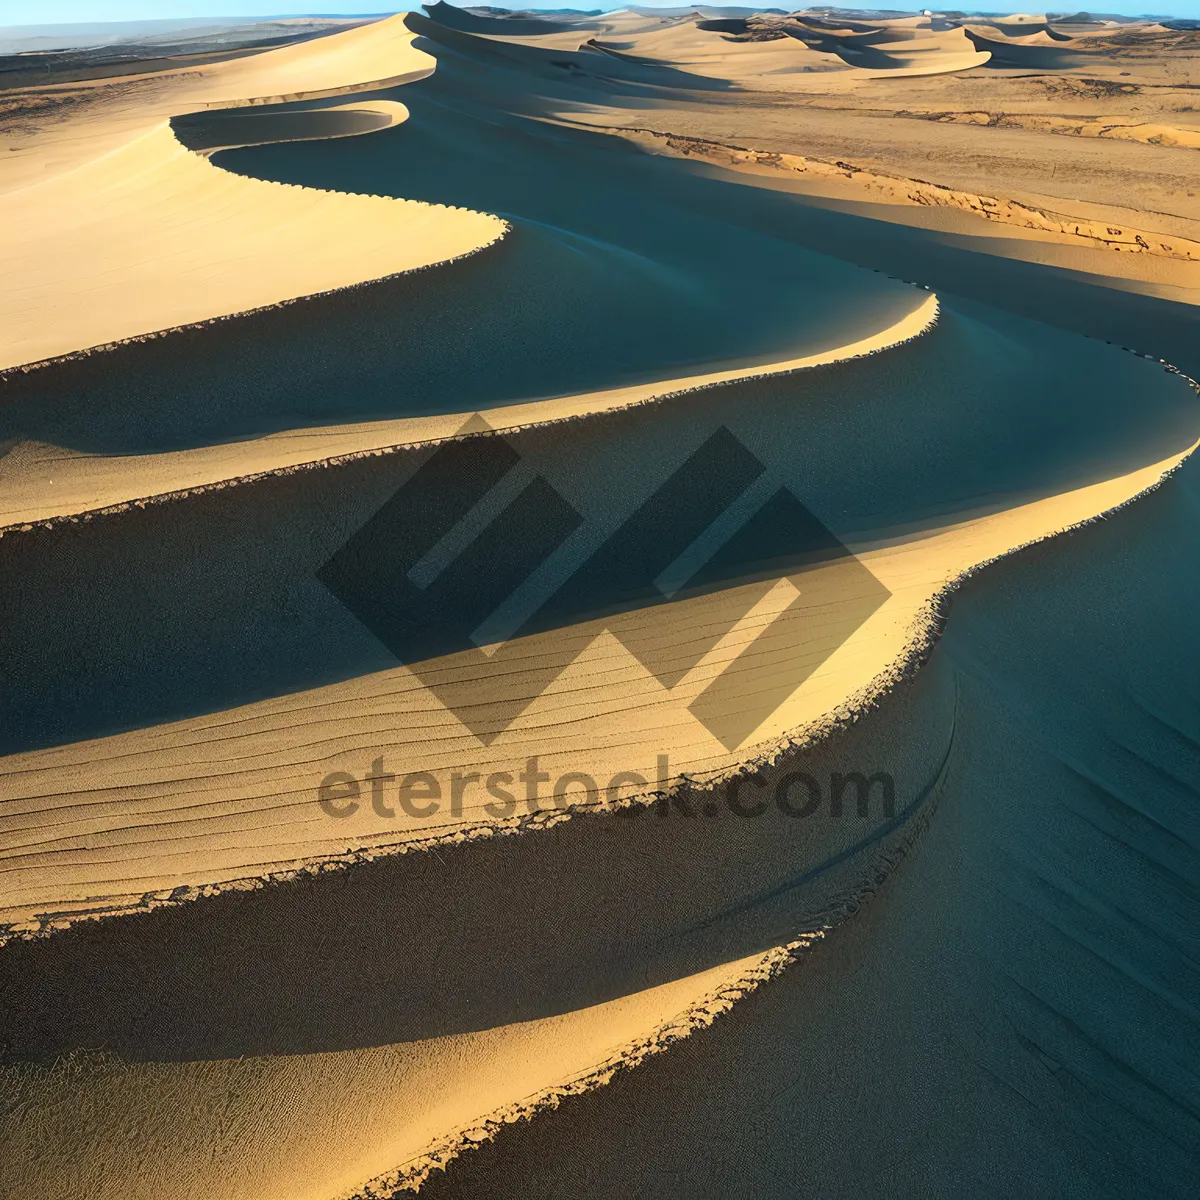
534 622
165 239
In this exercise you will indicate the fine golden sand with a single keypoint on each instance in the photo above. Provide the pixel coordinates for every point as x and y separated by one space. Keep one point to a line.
836 433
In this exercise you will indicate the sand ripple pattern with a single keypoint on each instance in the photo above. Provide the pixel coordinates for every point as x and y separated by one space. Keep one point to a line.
213 987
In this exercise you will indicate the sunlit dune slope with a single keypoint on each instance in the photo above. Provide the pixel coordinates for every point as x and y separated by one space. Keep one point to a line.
106 113
149 236
313 1126
706 53
295 686
169 239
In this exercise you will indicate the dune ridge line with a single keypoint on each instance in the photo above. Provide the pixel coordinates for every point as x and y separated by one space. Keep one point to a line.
119 268
534 414
698 1016
924 633
893 846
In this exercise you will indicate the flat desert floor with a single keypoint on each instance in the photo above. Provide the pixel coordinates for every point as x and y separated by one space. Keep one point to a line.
601 605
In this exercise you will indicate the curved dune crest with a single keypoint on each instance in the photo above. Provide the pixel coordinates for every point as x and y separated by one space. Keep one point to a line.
150 236
168 239
351 1123
123 801
926 53
371 56
259 125
85 484
1037 51
107 113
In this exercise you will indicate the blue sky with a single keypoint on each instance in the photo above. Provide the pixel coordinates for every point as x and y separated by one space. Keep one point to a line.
44 12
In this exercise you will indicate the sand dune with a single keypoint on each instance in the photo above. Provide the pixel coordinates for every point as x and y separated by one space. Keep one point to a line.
168 239
407 690
944 527
106 114
88 483
703 52
1035 51
903 52
323 1125
765 52
761 52
1027 972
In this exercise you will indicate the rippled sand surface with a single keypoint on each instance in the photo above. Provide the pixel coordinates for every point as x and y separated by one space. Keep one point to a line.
615 592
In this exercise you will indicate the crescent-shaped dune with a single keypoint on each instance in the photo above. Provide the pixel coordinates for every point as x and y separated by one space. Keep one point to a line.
1035 51
432 699
210 131
166 238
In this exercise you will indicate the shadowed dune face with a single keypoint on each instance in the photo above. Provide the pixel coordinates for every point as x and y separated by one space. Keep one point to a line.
1014 1009
641 282
305 121
669 486
1044 46
588 911
150 608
